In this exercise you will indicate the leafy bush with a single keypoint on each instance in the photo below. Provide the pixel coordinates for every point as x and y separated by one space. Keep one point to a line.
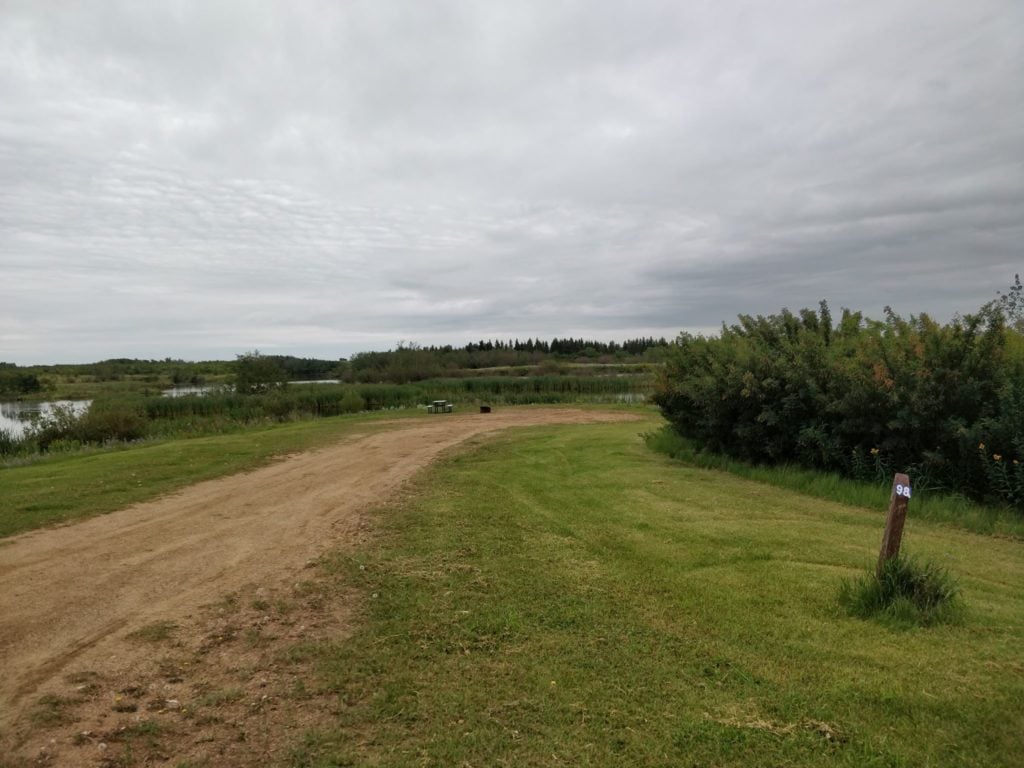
907 592
864 398
256 373
352 403
110 420
14 382
59 424
106 420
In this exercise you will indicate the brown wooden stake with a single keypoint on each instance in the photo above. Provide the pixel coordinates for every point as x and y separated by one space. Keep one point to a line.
894 522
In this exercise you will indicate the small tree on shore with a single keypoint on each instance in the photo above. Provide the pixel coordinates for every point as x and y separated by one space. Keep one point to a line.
256 373
1012 304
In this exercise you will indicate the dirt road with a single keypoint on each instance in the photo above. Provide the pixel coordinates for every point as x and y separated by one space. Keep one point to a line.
68 596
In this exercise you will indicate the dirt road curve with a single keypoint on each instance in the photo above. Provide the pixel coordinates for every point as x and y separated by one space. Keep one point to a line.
68 595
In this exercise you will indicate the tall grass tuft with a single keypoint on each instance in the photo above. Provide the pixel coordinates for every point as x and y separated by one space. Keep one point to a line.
907 592
11 444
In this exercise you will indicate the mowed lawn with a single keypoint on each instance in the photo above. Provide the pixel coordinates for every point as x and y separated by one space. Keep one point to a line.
567 597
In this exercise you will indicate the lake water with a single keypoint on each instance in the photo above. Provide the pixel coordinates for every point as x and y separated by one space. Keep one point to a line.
16 417
631 397
202 389
189 390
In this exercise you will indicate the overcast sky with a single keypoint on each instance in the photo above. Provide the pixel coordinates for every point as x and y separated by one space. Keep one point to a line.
200 179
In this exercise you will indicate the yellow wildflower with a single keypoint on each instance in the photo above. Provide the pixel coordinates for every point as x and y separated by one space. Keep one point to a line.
981 446
874 451
997 457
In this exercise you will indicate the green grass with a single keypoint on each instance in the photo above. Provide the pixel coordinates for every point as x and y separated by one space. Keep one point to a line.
51 710
567 597
157 632
219 698
927 504
64 487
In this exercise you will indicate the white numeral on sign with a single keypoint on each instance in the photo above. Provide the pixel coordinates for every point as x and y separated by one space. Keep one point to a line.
903 490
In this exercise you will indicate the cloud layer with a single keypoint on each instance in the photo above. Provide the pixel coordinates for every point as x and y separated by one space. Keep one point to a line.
195 180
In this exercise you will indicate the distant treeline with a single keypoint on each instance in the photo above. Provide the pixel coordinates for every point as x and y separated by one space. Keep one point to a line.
406 363
558 346
171 370
415 363
865 398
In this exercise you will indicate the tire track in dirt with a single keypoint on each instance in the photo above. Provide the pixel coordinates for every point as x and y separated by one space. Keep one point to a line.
68 595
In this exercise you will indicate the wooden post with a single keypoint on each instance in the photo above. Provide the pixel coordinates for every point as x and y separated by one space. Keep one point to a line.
894 522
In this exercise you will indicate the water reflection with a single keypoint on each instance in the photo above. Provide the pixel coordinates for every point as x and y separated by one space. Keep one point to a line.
16 417
203 389
183 391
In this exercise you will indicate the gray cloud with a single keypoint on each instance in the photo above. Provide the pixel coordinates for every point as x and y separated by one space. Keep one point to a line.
198 179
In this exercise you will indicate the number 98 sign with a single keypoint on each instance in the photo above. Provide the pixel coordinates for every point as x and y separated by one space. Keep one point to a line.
903 490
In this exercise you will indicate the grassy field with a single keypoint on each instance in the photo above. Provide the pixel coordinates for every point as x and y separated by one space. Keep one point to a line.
63 487
568 597
928 504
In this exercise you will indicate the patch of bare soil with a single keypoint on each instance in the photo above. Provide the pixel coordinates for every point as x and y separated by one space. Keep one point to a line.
167 633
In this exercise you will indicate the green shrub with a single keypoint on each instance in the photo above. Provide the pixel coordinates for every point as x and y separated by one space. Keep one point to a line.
863 398
906 592
106 420
352 403
278 405
109 420
255 373
14 382
64 445
58 424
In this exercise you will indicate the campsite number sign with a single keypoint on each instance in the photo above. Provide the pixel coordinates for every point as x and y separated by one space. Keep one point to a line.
894 520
